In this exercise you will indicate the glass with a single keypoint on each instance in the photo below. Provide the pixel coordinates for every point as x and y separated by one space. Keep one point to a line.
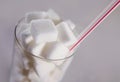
83 20
26 65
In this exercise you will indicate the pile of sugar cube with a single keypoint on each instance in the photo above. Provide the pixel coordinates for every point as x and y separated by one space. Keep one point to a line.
46 35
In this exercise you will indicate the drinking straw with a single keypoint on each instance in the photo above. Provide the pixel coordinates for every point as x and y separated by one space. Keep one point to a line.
106 12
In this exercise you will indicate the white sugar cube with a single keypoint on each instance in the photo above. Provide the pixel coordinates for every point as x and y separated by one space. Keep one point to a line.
56 73
25 62
53 15
34 77
27 39
55 76
23 28
55 50
43 30
66 64
36 49
66 36
25 35
35 15
70 24
43 68
50 14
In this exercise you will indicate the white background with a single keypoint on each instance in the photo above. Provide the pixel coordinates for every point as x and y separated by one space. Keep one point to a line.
97 58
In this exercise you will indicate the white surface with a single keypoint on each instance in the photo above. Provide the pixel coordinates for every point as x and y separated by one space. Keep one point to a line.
98 57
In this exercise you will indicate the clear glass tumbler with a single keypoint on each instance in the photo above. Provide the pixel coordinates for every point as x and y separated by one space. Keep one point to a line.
27 67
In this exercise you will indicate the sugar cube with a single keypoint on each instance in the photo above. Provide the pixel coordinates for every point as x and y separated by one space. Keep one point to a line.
35 15
22 28
24 34
55 76
43 30
36 49
55 50
70 24
66 36
53 16
25 62
43 67
34 77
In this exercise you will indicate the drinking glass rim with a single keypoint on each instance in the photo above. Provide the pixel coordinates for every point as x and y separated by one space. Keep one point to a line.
20 46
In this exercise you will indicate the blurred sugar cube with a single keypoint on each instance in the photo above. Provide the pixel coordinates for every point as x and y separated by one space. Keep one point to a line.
36 49
43 68
25 62
24 29
66 36
66 64
53 16
55 50
34 77
35 15
54 76
70 24
50 14
27 39
43 30
25 34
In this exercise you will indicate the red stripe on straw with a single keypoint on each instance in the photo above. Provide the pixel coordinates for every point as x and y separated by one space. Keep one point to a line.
94 26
